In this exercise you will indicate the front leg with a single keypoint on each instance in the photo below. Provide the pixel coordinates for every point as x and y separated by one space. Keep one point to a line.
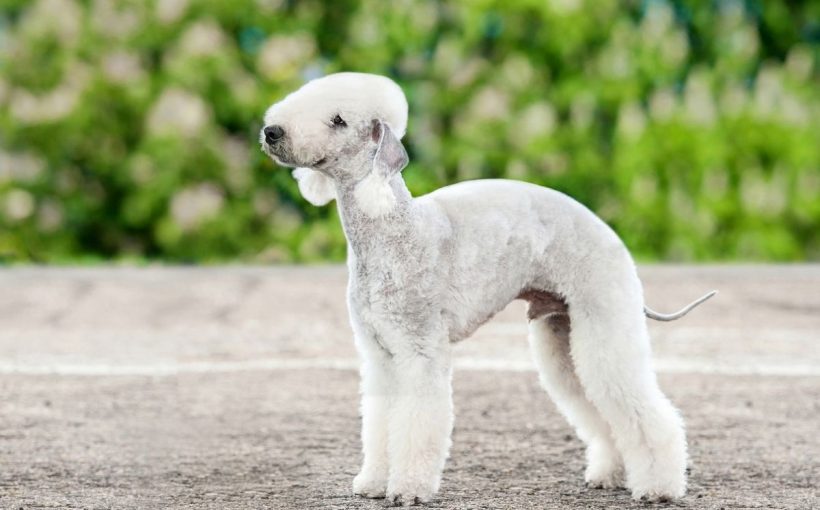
420 423
376 389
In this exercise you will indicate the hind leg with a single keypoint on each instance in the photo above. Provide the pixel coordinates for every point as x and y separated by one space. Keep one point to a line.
610 347
549 342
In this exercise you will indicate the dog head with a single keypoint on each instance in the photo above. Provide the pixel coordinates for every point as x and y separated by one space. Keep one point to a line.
342 128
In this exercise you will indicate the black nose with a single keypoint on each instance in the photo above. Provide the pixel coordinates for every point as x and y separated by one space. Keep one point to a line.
273 133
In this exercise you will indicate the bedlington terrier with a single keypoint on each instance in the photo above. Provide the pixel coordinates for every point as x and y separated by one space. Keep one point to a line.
426 272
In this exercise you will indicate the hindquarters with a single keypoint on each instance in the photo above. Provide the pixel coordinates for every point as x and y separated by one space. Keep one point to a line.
549 342
594 359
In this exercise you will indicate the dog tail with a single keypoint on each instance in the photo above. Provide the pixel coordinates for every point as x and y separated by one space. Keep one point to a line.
652 314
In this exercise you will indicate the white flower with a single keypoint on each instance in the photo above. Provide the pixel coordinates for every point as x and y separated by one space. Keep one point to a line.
281 56
237 157
490 103
807 188
18 205
169 11
142 169
793 110
733 98
202 38
535 121
764 196
192 206
466 73
122 67
270 5
28 108
631 120
715 183
768 92
615 62
178 112
582 111
448 60
20 167
732 13
365 29
644 188
517 169
698 102
62 18
517 72
554 163
113 19
744 41
681 204
662 104
565 6
674 47
658 19
243 86
799 63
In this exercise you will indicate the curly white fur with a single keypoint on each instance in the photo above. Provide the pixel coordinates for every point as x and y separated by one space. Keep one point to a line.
374 196
316 188
426 272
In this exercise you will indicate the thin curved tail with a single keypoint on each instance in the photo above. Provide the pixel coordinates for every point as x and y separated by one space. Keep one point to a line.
652 314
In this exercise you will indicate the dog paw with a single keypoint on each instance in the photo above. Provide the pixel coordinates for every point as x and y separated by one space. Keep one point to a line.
654 498
604 483
411 489
657 495
369 486
604 477
657 488
402 500
611 480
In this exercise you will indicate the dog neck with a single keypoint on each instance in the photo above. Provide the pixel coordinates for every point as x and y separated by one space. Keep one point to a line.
366 231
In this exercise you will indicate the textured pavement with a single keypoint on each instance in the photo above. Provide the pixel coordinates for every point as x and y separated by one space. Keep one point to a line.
235 388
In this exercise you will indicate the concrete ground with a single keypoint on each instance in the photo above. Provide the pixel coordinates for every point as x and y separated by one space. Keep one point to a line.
235 388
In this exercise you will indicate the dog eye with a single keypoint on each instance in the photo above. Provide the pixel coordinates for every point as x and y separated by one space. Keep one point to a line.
338 121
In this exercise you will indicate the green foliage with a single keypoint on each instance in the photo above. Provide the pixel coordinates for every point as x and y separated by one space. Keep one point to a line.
128 129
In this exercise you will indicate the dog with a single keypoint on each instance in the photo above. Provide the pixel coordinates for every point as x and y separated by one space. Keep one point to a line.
426 272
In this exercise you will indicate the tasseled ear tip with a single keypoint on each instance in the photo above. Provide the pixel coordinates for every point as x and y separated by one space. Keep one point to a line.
374 196
315 187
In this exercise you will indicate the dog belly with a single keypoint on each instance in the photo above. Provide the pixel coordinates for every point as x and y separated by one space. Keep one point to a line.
541 303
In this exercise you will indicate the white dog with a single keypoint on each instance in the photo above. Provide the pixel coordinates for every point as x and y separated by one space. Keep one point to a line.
426 272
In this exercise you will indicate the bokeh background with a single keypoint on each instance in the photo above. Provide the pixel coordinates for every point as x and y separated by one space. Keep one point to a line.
128 129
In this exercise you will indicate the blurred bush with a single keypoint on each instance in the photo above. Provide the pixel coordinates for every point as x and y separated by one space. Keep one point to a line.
128 129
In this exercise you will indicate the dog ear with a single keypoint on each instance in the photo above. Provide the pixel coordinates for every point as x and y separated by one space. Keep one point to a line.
315 187
373 193
390 155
